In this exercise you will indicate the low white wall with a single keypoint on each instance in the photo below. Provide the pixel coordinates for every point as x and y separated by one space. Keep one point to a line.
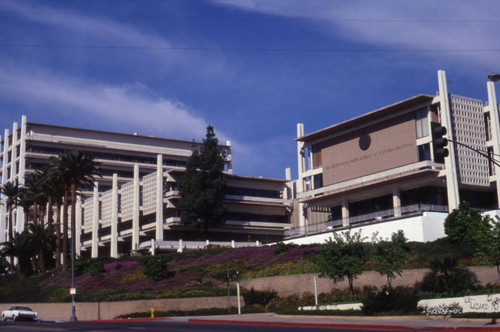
427 227
474 303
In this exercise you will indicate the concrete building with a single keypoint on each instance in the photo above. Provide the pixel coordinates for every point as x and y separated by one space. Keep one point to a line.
135 200
378 171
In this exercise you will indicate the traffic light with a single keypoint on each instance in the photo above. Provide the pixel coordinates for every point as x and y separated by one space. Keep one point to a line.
439 142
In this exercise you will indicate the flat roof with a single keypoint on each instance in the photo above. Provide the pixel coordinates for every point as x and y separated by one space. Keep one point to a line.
419 99
117 133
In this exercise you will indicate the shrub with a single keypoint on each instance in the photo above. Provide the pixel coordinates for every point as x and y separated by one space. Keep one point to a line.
397 300
447 278
292 302
138 276
259 297
219 271
94 266
280 247
155 267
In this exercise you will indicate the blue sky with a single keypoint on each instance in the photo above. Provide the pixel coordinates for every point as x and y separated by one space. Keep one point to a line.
252 69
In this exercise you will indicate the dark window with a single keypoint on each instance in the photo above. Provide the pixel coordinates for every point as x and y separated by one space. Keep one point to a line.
424 152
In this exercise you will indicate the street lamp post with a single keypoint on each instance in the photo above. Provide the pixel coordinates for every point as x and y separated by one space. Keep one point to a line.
495 125
494 77
73 288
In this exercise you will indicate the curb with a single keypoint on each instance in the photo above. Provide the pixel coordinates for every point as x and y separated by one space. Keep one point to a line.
120 320
344 326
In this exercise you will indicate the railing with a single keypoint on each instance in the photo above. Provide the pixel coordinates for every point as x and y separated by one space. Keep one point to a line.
181 245
406 211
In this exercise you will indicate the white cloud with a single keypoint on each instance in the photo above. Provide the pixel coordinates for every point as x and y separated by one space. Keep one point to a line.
130 106
397 25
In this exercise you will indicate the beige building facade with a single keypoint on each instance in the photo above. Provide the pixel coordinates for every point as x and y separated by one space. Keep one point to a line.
135 200
380 167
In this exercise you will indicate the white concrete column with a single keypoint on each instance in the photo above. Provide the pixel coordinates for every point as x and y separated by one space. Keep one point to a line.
159 198
229 158
78 230
396 201
5 159
301 167
345 213
5 178
13 153
153 247
449 162
95 222
18 221
22 169
22 151
181 248
3 209
135 209
114 218
495 131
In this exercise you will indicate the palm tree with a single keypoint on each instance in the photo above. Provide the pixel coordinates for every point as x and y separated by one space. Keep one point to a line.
25 200
11 190
21 247
75 168
42 240
53 188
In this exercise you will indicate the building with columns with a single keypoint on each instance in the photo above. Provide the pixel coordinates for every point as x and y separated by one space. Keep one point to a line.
134 201
378 171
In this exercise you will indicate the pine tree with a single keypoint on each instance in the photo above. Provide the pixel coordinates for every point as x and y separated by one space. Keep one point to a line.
202 186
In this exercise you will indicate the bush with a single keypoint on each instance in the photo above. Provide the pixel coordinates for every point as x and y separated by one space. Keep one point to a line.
155 267
448 279
291 302
94 266
219 271
261 298
281 247
398 300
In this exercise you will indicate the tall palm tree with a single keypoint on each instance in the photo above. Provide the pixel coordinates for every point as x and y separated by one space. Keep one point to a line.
11 190
42 239
53 188
21 247
25 200
75 168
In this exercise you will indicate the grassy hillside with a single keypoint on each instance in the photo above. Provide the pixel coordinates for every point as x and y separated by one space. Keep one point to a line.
189 274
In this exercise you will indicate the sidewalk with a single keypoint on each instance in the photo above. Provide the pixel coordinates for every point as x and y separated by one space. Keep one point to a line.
407 323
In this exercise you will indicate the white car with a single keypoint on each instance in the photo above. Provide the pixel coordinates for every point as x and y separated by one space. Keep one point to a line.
16 313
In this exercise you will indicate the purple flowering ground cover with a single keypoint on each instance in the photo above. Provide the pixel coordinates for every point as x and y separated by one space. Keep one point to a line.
125 277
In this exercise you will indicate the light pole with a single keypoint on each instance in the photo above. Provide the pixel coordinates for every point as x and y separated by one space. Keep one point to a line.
494 77
495 125
73 288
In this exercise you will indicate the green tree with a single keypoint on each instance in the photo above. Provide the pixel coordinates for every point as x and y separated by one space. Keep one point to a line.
75 168
202 186
11 190
343 257
446 277
488 248
391 256
21 247
42 240
464 224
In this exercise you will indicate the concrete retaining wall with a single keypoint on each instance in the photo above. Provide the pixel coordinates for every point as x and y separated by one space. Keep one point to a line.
109 310
297 284
283 285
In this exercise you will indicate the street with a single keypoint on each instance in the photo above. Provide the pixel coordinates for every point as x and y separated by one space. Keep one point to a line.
162 325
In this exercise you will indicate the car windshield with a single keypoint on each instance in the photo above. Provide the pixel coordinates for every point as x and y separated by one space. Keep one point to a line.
21 308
